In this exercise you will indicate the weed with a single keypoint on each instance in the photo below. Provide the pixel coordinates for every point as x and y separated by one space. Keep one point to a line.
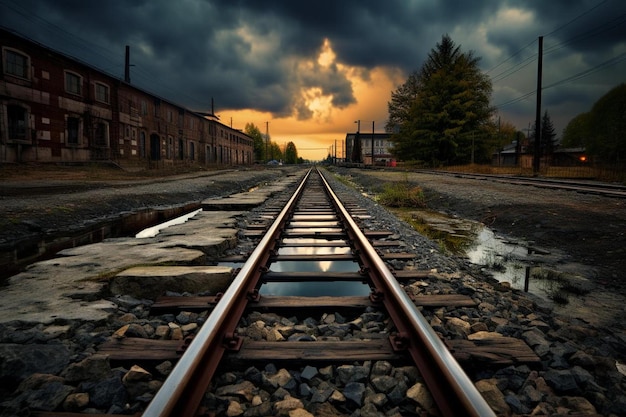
401 194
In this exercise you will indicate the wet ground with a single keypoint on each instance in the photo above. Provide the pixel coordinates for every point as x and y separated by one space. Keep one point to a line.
577 241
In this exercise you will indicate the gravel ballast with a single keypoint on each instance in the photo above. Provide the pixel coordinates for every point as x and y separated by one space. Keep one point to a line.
57 367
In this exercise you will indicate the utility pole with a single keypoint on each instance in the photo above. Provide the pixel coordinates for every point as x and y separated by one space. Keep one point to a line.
537 155
127 65
267 140
373 143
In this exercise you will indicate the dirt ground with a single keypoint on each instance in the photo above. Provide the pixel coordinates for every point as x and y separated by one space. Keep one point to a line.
589 229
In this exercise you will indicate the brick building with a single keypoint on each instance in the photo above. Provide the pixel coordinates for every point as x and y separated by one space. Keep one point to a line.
379 143
54 108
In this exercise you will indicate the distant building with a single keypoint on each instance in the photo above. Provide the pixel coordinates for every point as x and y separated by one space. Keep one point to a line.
54 108
522 156
382 148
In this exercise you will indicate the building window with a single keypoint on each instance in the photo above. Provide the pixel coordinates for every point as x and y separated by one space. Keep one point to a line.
102 93
101 135
17 117
73 83
16 64
73 130
142 144
144 108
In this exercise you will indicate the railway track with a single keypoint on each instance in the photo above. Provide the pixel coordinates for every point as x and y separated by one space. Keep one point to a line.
315 305
314 228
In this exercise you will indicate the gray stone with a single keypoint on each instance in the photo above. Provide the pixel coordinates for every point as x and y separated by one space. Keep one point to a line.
19 361
353 391
562 381
515 404
513 376
308 373
384 383
381 368
352 373
396 396
92 368
47 398
106 393
320 396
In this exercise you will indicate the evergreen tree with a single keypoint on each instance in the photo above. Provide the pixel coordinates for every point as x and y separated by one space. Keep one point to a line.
440 111
548 135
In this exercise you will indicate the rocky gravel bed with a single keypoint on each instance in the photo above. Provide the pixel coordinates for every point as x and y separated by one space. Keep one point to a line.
57 367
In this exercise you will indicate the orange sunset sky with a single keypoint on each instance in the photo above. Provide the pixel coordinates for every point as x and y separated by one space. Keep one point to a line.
315 137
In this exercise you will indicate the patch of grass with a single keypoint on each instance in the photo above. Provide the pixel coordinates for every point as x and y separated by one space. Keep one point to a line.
401 194
551 283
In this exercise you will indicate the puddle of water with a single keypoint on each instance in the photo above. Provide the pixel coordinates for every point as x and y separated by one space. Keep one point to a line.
506 261
315 289
315 250
314 266
311 241
155 230
313 224
305 230
313 217
523 267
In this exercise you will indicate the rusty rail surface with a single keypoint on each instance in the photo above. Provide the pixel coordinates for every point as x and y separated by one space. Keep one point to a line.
182 393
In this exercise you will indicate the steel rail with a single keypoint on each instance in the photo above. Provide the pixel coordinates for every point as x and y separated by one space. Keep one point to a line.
583 187
442 373
183 390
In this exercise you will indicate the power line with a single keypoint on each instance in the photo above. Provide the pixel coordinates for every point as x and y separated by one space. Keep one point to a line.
590 33
577 76
577 17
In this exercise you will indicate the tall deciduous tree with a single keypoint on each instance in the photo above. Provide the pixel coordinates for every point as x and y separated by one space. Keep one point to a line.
441 113
601 130
291 153
259 145
578 131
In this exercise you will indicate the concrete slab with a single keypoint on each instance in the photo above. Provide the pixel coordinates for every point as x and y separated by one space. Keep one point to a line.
153 281
209 232
74 286
251 199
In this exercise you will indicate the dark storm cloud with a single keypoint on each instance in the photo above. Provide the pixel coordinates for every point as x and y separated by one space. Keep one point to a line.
247 54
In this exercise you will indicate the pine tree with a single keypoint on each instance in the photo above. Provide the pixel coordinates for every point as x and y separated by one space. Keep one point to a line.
548 135
440 109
